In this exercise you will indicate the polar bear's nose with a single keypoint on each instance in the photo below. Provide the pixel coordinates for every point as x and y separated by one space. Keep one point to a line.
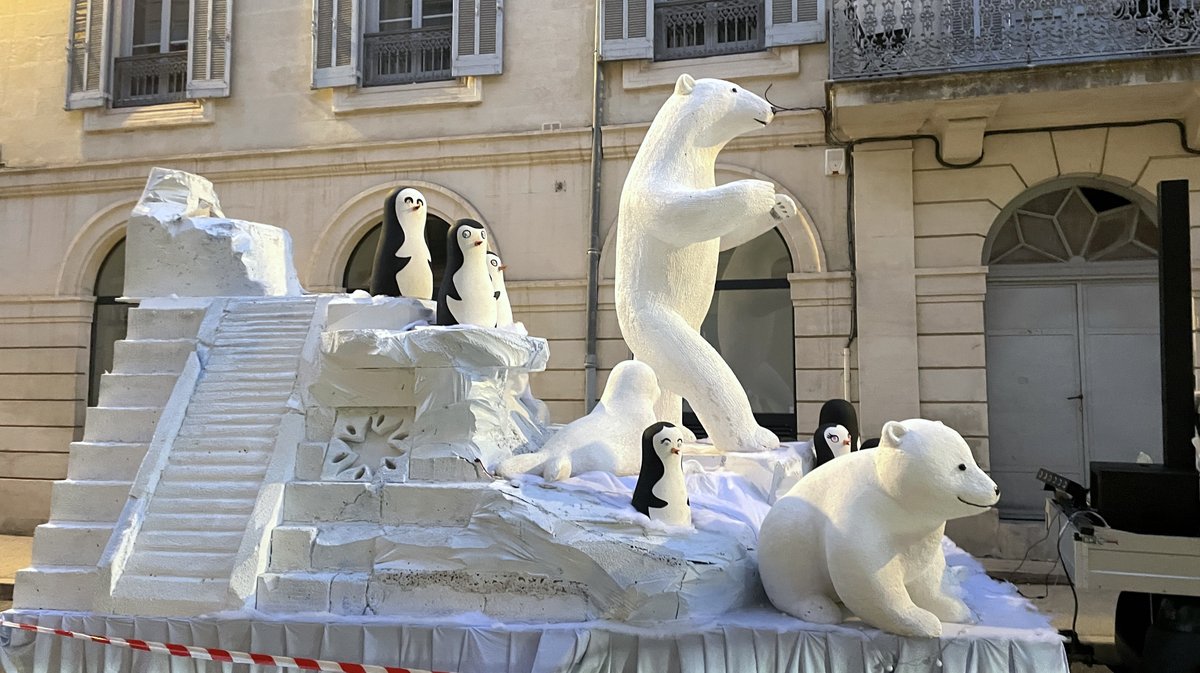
997 490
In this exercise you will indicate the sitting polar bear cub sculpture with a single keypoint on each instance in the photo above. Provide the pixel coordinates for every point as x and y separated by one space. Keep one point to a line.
866 530
672 224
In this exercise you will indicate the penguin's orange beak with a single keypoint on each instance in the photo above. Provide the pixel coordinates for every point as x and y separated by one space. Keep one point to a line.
503 267
846 442
478 242
675 451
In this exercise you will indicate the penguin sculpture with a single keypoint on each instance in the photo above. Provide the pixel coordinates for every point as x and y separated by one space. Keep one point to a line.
830 441
403 265
840 412
504 316
660 492
467 296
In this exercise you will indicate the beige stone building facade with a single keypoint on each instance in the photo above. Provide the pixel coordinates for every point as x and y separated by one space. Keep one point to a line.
951 197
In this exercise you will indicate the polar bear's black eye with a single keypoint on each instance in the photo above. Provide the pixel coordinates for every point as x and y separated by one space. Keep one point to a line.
962 467
735 89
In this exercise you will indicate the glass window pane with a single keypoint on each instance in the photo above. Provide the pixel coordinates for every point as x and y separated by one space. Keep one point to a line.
390 10
108 327
752 330
147 23
179 21
763 257
110 280
362 258
436 13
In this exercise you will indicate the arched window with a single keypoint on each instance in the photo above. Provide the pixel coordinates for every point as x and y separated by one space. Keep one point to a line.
358 268
750 325
108 317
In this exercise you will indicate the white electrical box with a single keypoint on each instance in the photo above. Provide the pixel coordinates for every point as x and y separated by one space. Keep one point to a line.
835 161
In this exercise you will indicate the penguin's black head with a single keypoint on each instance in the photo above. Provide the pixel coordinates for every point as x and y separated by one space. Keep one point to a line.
662 440
467 235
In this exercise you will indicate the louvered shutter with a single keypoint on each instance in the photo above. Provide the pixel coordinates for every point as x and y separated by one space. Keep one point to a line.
795 22
336 33
627 31
87 54
477 44
209 57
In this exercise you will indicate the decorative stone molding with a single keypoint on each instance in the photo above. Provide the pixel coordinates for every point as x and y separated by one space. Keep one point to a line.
187 113
645 74
461 91
366 444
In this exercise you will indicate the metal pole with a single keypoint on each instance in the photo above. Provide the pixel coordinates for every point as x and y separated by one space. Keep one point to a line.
593 251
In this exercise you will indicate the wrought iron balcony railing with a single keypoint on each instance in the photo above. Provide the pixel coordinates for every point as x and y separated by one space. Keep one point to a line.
405 57
696 28
150 79
885 38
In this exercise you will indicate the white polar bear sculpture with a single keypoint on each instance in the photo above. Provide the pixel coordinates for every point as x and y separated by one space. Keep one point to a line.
609 439
672 224
866 530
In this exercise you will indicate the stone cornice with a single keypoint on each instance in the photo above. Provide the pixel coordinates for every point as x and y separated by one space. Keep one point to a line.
400 157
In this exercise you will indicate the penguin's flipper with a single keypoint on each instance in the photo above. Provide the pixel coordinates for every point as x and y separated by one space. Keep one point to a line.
557 469
497 295
657 502
870 443
522 464
403 262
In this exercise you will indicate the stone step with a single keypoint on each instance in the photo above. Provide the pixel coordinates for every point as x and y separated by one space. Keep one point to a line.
263 407
232 357
192 473
105 461
88 501
70 543
238 490
249 378
181 505
290 318
166 356
56 587
219 445
243 398
265 330
200 452
169 595
182 563
231 432
164 323
262 348
135 390
121 424
203 416
216 541
195 521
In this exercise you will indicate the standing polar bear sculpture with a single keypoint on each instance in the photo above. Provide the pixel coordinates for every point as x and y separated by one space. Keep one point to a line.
672 225
866 530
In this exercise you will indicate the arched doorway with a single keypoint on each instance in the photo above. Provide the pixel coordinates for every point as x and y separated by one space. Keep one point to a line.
750 325
357 275
108 317
1071 319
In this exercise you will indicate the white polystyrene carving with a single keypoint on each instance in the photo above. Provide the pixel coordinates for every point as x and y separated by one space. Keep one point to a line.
865 530
364 445
178 242
672 223
609 439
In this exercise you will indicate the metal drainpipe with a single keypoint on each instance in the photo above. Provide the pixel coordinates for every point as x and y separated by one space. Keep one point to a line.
593 251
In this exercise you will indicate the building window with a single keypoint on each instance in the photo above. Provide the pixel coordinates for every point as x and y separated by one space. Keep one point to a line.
358 267
697 28
407 41
675 29
750 323
108 318
385 42
133 53
1075 224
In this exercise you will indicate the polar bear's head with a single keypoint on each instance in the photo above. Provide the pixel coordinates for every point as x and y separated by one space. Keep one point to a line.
929 469
715 111
632 383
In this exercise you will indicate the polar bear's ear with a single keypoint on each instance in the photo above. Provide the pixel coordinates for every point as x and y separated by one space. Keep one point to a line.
685 84
893 432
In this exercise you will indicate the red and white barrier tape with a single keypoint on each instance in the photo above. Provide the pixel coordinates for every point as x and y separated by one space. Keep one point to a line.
213 654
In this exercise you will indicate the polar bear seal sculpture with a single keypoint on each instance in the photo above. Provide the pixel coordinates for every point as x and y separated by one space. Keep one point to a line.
672 224
866 530
609 439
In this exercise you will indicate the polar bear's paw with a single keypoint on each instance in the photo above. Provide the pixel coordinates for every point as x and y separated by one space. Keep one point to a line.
761 439
949 609
918 623
815 610
784 207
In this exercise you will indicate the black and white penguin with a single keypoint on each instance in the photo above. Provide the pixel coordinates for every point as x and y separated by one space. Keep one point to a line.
661 493
467 296
830 441
504 316
840 412
403 265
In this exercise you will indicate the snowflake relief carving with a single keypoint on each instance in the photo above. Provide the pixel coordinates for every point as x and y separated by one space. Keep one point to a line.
364 445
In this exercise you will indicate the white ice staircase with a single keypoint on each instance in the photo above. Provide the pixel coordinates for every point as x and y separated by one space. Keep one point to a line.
197 525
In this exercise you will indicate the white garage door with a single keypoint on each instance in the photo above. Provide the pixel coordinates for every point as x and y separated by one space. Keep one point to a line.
1073 376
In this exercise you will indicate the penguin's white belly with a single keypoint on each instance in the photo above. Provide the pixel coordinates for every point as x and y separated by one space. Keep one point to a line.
415 279
672 489
478 303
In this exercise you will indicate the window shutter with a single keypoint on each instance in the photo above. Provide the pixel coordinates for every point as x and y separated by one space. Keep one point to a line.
209 57
336 34
87 54
795 22
477 44
628 30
